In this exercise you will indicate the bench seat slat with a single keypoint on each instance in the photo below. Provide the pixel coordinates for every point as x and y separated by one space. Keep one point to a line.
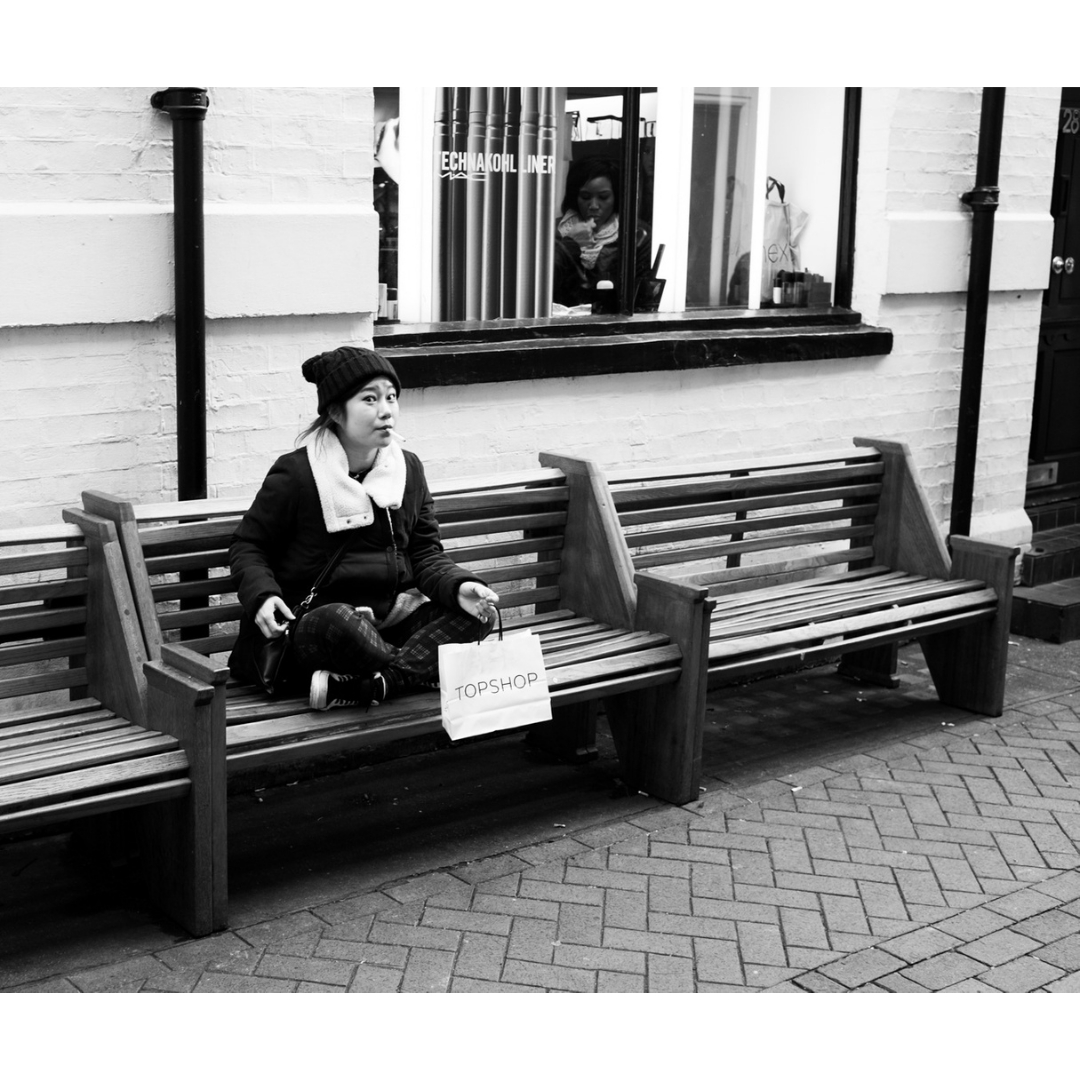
719 579
78 744
422 721
983 600
45 731
661 661
247 704
88 708
75 808
853 582
28 794
553 642
778 615
304 724
612 666
141 743
784 659
624 643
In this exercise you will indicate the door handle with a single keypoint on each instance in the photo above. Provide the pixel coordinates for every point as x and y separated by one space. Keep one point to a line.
1070 264
1057 264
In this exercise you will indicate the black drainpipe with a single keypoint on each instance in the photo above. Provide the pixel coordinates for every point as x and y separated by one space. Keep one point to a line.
187 106
983 200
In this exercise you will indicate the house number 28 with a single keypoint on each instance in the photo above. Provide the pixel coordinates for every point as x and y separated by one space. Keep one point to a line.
1070 121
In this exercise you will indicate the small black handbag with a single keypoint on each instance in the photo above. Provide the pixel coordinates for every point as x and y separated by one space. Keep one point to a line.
267 657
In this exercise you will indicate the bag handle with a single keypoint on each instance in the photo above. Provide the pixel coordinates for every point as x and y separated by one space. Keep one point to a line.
480 636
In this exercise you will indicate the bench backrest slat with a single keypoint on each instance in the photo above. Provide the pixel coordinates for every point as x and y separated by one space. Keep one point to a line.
508 531
759 502
61 679
675 470
43 608
783 517
777 531
777 542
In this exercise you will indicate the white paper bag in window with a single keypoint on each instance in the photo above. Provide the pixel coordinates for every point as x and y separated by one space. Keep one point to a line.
496 684
784 222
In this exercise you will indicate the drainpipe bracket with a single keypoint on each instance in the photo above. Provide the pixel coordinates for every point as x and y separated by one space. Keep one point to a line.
182 102
983 196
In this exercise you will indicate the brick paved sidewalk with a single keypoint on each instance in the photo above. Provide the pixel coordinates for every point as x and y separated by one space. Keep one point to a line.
944 862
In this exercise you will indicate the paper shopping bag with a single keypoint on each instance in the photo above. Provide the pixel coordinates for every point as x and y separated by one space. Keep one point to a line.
497 684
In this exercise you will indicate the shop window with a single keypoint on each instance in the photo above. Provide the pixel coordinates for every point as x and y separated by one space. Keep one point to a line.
728 186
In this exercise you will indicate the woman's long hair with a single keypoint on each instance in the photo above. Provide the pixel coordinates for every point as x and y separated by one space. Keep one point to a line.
318 427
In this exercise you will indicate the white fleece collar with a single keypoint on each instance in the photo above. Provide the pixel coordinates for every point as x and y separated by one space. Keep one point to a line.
347 503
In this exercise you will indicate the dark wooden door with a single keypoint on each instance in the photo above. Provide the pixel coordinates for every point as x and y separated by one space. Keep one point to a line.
1055 433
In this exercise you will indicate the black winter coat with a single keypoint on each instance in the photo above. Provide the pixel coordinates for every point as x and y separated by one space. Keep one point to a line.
282 544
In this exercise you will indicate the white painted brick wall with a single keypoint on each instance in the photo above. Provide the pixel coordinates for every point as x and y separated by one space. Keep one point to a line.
94 406
115 430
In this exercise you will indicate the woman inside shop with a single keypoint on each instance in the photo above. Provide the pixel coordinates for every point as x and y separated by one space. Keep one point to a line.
352 503
587 239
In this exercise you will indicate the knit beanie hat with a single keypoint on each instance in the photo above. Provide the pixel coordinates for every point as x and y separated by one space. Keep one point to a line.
340 373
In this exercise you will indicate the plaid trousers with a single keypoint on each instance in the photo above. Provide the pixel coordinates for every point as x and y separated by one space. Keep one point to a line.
335 637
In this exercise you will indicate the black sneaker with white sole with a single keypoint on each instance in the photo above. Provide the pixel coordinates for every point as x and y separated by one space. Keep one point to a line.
329 691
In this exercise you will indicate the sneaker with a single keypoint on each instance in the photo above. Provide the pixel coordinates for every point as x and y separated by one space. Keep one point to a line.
329 691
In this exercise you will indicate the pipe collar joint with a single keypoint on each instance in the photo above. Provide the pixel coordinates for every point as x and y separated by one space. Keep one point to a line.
983 196
182 102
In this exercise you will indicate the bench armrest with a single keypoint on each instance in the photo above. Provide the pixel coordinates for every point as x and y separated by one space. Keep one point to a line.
194 664
983 560
193 712
683 612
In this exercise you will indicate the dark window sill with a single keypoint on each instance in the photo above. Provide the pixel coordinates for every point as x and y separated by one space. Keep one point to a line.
447 354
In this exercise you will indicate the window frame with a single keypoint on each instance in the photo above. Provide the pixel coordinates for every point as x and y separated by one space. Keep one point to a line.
435 353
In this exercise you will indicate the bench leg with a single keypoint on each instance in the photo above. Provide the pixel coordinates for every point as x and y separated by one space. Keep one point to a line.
570 735
185 847
876 665
658 731
968 665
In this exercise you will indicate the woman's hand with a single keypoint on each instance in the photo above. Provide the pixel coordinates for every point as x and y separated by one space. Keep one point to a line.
478 600
581 232
266 619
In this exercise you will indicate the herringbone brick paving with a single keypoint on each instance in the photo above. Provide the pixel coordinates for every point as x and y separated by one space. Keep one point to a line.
944 862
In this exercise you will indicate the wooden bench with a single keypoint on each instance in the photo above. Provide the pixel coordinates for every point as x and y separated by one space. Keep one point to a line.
822 557
549 547
64 754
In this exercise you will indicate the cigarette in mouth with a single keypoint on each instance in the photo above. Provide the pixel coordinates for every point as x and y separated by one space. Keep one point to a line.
400 438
